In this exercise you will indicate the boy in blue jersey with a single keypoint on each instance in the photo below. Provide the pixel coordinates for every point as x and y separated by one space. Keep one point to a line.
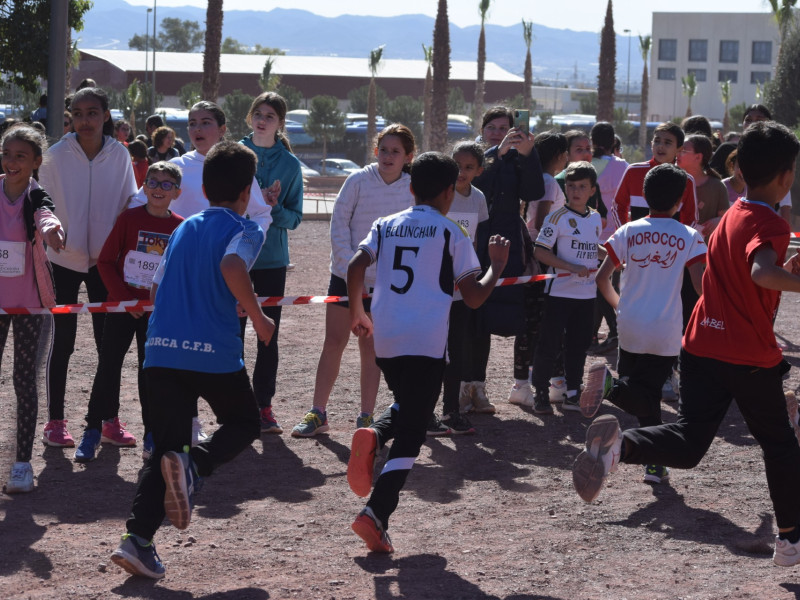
194 349
420 256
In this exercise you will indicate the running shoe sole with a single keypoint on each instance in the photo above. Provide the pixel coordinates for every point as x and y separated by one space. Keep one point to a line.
365 528
792 408
592 396
176 497
362 461
588 471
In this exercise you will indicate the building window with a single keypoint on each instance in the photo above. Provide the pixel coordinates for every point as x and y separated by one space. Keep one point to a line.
761 77
762 53
666 74
667 50
732 76
699 74
698 50
729 51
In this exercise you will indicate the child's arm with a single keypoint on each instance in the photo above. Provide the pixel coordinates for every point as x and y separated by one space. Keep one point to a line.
696 274
767 274
234 272
360 323
475 291
550 258
604 285
542 210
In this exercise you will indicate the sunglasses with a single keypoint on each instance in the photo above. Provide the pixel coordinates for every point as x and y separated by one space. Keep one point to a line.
164 185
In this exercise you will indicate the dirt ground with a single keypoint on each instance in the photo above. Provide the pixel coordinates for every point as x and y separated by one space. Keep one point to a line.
487 516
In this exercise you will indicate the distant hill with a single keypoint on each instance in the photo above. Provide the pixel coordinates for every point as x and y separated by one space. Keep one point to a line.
559 55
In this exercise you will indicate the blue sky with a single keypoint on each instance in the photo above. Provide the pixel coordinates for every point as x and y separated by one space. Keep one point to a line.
580 15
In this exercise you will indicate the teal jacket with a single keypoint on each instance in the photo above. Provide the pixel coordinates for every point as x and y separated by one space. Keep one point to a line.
278 163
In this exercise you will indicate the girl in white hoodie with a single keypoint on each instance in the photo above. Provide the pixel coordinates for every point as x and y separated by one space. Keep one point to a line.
378 190
90 178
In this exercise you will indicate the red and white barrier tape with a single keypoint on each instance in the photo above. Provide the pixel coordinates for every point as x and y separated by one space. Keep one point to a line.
145 305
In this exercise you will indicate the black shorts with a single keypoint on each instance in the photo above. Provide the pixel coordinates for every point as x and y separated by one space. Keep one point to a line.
338 287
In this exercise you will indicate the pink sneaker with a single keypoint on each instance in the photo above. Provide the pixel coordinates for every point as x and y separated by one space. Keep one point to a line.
56 434
114 433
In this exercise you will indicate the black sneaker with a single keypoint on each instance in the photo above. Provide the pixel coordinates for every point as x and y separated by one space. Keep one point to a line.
541 403
655 474
436 428
458 424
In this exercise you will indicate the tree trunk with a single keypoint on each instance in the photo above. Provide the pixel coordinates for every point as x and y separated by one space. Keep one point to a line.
477 104
526 92
211 53
441 78
644 108
607 76
372 108
427 110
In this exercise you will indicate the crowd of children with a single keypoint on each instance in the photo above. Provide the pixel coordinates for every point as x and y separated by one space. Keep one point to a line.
417 245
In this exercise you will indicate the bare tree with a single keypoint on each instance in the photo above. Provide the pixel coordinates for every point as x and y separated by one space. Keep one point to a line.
427 99
527 34
607 76
441 78
477 103
212 50
645 43
375 56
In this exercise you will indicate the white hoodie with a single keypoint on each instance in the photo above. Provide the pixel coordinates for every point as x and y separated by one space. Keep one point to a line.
192 200
88 196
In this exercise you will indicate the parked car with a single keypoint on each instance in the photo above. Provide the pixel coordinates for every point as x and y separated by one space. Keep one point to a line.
337 166
308 171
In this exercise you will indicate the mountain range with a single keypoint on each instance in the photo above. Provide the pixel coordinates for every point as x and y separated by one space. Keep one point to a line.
560 56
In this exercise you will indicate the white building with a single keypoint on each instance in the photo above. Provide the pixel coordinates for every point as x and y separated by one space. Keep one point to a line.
716 47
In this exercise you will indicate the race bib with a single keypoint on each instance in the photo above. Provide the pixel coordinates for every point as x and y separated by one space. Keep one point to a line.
140 267
469 221
12 259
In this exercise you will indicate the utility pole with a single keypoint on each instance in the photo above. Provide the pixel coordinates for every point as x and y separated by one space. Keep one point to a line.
153 91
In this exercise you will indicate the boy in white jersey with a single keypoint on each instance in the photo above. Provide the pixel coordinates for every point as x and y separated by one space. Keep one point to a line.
420 255
567 243
655 251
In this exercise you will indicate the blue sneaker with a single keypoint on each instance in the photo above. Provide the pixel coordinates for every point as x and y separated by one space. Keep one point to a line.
138 559
364 420
148 446
313 423
87 449
182 482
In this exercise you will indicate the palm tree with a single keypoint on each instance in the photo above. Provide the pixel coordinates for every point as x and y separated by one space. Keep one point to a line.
689 86
645 43
441 78
783 12
725 91
268 80
477 104
134 98
527 34
375 56
427 99
607 75
325 122
211 52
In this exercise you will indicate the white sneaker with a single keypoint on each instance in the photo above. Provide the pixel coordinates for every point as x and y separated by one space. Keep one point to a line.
558 389
670 391
601 457
521 395
465 397
786 553
480 401
21 479
198 435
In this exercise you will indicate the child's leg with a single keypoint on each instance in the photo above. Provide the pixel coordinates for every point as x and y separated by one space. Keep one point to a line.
141 338
525 343
65 328
551 334
118 331
27 329
415 382
640 393
456 342
578 337
97 292
337 334
370 374
268 282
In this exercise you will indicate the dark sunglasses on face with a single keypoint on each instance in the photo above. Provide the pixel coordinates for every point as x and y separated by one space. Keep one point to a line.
164 185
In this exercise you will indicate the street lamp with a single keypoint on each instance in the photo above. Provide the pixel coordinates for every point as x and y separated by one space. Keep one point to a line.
146 46
628 84
153 90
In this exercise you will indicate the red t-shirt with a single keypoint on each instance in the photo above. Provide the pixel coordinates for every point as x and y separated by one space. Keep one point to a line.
732 321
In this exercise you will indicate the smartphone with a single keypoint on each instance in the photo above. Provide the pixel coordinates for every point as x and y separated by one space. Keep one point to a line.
522 119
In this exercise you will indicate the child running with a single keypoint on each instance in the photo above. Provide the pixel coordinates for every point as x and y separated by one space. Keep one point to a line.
127 264
193 350
377 190
26 220
654 252
729 350
90 178
420 255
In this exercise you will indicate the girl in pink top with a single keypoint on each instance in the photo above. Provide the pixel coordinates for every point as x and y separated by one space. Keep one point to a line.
26 218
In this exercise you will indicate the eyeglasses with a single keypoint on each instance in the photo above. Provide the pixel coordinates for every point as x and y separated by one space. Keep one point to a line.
67 123
164 185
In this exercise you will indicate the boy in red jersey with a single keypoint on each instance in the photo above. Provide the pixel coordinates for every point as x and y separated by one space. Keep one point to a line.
729 349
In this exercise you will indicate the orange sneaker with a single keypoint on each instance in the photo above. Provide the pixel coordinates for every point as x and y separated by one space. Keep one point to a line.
372 532
362 461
